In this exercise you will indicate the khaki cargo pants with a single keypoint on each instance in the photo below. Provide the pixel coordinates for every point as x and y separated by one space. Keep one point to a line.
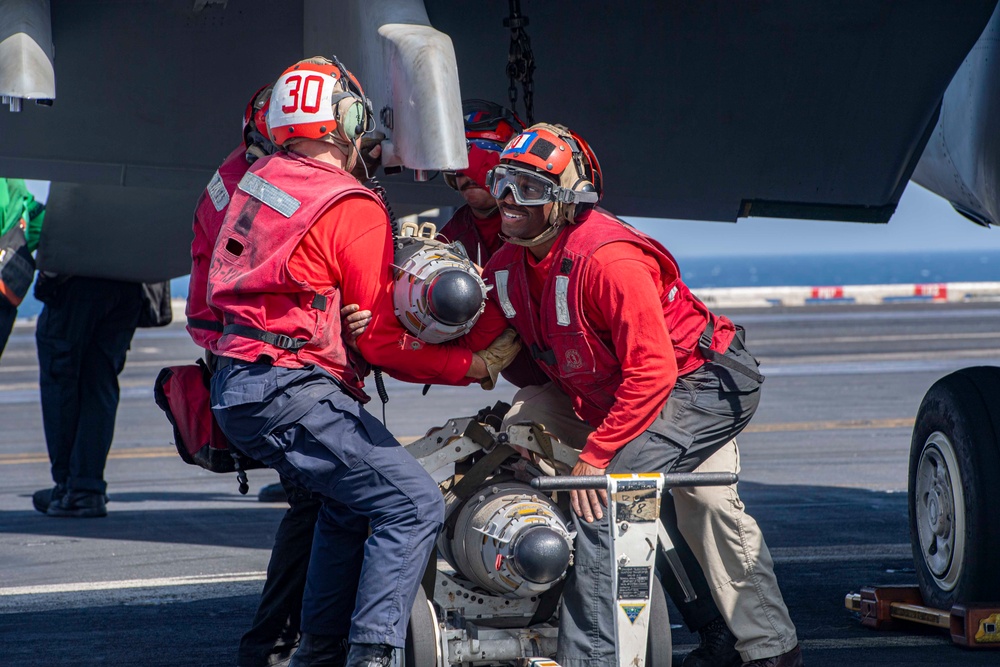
694 432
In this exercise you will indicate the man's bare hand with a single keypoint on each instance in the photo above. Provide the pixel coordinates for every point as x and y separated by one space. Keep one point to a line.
355 322
588 504
477 369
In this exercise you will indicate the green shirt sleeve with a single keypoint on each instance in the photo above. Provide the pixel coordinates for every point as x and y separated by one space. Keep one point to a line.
34 230
7 218
16 203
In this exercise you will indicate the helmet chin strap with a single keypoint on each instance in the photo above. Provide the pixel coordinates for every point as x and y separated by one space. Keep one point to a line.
550 233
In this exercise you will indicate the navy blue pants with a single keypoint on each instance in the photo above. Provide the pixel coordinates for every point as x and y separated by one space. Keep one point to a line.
276 624
8 313
83 334
302 424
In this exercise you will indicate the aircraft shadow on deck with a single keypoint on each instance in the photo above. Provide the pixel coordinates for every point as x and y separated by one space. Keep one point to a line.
790 515
799 523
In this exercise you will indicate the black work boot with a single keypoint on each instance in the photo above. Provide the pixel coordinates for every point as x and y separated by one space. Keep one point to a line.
791 658
320 651
371 655
717 648
79 505
43 498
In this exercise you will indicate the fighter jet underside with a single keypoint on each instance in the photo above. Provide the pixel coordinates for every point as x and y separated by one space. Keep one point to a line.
702 110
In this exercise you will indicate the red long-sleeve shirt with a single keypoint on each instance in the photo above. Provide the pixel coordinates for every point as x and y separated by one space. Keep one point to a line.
622 302
356 227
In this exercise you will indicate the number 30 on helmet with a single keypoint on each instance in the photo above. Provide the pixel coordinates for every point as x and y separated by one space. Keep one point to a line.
318 99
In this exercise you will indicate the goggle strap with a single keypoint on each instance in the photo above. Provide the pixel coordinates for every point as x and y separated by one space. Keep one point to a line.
567 196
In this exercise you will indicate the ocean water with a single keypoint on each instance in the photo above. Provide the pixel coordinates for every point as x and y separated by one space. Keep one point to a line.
797 270
856 269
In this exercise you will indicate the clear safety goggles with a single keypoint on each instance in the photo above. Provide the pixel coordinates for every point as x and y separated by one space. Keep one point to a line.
530 188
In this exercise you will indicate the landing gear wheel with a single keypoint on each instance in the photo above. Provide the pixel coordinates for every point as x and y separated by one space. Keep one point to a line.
422 645
954 469
659 646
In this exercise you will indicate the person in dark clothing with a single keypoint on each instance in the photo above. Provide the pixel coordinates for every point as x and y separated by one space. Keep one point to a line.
83 335
274 635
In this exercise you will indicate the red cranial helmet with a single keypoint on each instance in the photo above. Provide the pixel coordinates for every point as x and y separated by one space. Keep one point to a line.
488 127
255 133
549 164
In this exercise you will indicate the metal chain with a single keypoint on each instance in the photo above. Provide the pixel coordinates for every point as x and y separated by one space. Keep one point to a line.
520 61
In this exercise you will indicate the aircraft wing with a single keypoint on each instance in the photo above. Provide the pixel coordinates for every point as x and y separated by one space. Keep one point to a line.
707 109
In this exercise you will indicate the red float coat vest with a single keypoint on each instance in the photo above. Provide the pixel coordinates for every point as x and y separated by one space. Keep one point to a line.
462 228
564 343
203 322
266 311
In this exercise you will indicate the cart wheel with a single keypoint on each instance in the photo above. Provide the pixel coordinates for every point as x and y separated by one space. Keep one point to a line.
422 634
659 647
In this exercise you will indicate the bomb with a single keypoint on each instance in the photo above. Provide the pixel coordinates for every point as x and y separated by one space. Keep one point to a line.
508 539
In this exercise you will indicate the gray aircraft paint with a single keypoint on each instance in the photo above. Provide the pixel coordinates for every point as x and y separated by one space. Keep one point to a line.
711 110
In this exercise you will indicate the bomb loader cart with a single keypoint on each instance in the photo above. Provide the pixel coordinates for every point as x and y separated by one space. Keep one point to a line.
492 599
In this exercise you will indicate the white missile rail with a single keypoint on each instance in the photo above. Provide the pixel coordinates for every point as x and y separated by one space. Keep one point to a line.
481 612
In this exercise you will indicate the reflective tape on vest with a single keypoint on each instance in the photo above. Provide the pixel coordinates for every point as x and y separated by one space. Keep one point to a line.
217 192
273 196
562 301
501 279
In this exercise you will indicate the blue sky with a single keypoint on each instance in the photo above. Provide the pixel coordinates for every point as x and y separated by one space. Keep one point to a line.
923 222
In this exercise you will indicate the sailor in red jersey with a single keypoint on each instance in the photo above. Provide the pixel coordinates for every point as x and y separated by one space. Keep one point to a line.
476 225
275 629
301 237
204 324
664 383
488 127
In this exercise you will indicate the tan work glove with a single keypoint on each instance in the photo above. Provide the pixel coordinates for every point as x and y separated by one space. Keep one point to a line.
499 355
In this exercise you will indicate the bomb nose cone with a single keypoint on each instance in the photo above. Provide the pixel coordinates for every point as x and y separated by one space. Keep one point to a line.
454 297
541 555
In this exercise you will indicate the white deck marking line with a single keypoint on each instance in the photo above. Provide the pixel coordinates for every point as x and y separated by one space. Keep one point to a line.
156 582
846 552
891 338
168 452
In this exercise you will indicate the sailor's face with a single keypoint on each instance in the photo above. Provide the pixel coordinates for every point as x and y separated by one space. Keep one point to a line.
478 198
522 222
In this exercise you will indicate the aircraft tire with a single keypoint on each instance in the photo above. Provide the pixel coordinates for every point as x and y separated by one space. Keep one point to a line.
422 646
954 472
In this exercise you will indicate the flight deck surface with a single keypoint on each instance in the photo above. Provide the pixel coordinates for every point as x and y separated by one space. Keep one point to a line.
172 575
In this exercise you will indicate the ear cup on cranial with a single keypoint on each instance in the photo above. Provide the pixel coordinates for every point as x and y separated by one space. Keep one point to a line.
350 116
583 185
